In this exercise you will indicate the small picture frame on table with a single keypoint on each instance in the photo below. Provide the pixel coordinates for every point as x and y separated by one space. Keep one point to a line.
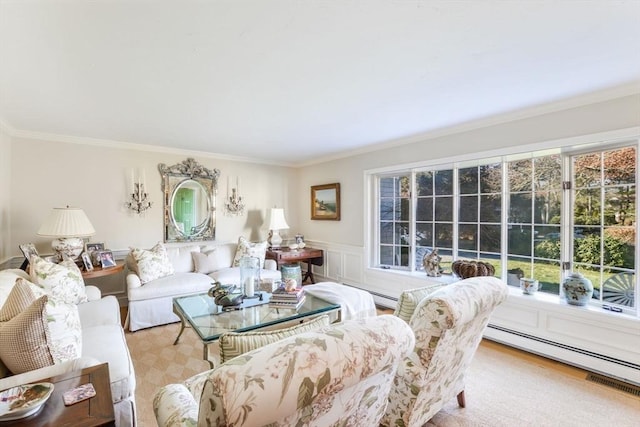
28 250
106 259
93 249
86 260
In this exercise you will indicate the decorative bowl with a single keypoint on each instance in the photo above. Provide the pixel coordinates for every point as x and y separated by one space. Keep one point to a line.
294 246
23 400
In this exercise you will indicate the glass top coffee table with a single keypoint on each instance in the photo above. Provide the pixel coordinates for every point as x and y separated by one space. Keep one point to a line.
210 320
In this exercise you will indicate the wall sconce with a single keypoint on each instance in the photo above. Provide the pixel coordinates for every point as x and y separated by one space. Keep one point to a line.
234 204
139 198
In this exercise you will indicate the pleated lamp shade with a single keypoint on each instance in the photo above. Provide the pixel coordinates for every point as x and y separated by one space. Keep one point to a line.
67 225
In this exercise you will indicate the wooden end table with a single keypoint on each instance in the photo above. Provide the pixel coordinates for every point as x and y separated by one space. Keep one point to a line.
97 411
100 272
310 255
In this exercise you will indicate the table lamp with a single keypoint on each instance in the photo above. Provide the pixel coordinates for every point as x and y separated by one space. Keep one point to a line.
67 225
276 224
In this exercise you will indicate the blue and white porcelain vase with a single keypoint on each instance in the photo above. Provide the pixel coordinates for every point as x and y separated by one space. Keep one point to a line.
577 289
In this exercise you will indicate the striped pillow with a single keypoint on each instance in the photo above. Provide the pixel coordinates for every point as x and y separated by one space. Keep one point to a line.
233 344
410 299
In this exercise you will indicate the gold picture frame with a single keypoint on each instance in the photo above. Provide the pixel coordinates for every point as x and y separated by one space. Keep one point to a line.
325 202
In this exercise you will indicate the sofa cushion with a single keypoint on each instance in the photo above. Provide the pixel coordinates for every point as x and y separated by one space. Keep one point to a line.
171 286
180 257
7 280
62 282
63 320
24 340
205 263
152 264
233 344
246 248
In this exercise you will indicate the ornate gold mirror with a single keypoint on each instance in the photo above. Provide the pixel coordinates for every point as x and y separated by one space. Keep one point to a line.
189 191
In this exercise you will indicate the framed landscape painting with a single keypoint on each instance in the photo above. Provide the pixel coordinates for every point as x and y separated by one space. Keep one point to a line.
325 202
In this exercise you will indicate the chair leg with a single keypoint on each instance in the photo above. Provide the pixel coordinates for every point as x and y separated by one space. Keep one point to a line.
461 401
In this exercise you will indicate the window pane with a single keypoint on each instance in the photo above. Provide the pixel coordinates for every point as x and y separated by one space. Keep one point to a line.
386 255
490 208
620 166
386 210
444 235
444 182
588 249
468 209
386 233
548 274
403 207
520 208
490 238
424 183
520 240
402 233
547 242
491 178
587 170
520 176
387 186
586 207
424 234
424 209
468 237
547 207
444 209
619 247
619 205
547 174
468 180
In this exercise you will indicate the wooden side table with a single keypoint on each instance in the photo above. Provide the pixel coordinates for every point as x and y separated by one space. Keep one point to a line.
310 255
96 411
100 272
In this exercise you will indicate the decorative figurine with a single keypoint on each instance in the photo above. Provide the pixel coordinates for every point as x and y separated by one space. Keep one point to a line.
225 296
431 263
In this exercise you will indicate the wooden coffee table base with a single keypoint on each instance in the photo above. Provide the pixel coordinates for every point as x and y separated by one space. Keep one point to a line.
97 411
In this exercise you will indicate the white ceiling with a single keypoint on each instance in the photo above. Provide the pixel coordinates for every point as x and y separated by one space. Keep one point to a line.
295 80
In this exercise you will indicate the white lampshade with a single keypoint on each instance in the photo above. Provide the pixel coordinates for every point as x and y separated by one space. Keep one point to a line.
67 222
277 220
67 225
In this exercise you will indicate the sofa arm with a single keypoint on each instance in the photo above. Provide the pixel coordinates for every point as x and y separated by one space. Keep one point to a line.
270 264
133 281
105 311
175 406
93 292
48 372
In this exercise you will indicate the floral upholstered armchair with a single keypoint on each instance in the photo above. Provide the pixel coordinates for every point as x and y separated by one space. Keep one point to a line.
448 322
338 375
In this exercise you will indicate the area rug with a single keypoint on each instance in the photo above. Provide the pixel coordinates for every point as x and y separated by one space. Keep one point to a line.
505 387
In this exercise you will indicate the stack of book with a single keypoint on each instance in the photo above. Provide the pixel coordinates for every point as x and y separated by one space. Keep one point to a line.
281 298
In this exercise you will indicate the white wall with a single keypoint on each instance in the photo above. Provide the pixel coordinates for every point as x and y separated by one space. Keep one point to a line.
5 195
46 174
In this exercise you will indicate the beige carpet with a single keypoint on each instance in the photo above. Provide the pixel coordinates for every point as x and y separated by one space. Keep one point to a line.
505 387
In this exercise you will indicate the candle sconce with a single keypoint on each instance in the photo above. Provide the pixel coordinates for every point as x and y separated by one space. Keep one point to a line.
234 204
139 199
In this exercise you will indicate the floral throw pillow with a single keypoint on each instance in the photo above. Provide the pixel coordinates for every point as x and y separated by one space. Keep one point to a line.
152 264
62 282
247 249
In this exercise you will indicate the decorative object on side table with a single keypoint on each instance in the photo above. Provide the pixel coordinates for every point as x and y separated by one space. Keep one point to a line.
23 400
431 263
528 286
67 225
578 290
276 223
249 275
325 202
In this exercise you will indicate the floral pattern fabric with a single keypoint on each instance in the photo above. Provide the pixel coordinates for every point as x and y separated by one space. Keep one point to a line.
448 326
247 249
152 264
338 376
62 282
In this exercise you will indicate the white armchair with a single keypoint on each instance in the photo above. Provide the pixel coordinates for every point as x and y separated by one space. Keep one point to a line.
448 322
339 375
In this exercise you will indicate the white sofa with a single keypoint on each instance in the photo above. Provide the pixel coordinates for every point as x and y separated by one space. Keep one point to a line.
151 303
103 341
